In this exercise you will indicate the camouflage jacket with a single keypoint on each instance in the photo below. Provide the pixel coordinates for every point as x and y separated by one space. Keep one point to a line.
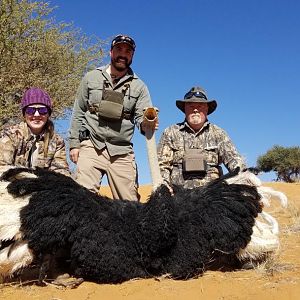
215 147
17 142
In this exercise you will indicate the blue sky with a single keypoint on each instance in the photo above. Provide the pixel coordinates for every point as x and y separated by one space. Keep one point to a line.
245 54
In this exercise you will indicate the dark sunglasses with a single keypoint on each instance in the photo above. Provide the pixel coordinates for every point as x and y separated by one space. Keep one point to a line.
194 94
41 110
123 39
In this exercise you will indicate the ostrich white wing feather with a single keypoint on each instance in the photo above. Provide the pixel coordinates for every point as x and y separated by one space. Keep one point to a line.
264 238
9 212
15 257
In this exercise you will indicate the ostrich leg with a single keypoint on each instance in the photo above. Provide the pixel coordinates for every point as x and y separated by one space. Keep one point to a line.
151 116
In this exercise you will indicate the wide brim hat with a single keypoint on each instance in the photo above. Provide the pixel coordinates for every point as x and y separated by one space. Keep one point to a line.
197 95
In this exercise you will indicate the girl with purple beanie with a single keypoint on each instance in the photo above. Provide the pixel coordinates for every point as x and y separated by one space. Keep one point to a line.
33 142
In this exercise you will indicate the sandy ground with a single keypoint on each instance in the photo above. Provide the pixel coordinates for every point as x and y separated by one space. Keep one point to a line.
279 279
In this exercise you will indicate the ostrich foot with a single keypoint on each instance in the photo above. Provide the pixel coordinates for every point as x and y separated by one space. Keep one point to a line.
65 280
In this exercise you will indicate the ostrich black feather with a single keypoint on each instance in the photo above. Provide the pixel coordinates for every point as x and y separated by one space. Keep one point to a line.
110 241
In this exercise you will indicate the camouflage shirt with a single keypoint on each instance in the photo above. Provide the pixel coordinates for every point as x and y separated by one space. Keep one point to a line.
215 147
17 143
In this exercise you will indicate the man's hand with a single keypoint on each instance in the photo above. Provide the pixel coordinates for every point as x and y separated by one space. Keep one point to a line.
74 154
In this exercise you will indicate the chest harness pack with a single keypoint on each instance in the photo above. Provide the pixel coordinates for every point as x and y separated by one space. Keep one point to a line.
194 164
111 106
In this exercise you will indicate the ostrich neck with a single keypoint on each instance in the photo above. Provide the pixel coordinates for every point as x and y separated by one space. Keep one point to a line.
150 115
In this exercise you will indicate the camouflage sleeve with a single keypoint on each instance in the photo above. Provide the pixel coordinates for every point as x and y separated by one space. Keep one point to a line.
7 150
165 156
228 153
59 163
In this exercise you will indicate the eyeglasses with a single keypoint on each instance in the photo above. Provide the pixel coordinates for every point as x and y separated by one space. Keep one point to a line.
43 110
123 39
197 94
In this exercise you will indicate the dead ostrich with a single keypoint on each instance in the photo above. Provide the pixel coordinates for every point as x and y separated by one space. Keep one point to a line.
43 213
48 215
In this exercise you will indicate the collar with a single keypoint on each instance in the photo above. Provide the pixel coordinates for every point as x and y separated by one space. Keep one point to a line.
185 126
107 69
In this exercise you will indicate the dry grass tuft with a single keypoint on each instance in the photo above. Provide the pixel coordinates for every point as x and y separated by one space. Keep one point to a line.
294 211
272 266
294 214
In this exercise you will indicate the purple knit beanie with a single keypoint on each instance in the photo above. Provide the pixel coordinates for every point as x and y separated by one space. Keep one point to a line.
36 96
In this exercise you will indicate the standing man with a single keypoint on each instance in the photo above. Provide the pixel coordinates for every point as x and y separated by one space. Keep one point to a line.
191 153
108 105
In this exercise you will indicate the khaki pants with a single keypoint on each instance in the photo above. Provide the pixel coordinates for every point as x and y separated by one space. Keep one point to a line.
120 170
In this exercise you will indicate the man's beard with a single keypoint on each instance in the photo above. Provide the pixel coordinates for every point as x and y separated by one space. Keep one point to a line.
195 119
121 66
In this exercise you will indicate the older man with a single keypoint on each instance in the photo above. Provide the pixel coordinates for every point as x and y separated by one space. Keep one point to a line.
109 103
191 153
